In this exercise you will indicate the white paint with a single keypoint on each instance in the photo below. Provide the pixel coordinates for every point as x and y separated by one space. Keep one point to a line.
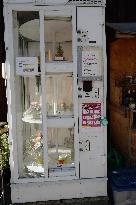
59 2
11 94
75 93
43 84
94 28
4 75
96 144
50 2
92 167
18 1
60 122
92 139
59 67
20 193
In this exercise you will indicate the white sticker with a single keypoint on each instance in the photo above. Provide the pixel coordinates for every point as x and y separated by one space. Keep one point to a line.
27 66
91 62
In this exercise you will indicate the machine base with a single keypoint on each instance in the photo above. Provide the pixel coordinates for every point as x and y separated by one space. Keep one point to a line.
62 192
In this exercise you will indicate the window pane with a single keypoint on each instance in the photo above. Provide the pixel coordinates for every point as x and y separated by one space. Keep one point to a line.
59 94
61 150
33 150
29 127
58 38
28 94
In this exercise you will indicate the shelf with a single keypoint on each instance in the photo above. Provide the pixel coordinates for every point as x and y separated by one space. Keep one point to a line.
37 169
59 66
32 121
60 122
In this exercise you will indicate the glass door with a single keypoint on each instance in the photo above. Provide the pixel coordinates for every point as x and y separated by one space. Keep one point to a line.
59 93
44 93
28 93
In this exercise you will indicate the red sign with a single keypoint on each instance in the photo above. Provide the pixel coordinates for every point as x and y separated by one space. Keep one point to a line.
91 114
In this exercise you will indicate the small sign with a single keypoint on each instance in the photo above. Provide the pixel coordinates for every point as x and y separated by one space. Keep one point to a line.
91 62
91 114
27 66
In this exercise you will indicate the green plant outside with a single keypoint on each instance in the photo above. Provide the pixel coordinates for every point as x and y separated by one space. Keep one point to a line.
4 151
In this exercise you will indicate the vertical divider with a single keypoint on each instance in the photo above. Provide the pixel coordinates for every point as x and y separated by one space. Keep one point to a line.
11 98
43 83
104 85
104 60
75 97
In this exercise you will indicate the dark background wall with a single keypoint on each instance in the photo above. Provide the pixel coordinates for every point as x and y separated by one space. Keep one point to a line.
121 11
3 100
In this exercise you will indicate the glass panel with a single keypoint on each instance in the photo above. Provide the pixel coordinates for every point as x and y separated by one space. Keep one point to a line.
59 94
61 150
27 33
58 38
32 150
28 95
29 127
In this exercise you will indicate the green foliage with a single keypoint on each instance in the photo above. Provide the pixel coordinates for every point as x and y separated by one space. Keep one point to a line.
4 151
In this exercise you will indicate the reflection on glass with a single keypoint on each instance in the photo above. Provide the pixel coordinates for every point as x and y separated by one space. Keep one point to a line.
58 38
32 113
59 94
28 96
32 135
28 34
33 151
60 148
29 128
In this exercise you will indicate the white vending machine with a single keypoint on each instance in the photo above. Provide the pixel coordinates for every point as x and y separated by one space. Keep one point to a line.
56 91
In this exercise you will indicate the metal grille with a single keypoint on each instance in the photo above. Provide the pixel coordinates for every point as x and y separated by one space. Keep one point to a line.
91 2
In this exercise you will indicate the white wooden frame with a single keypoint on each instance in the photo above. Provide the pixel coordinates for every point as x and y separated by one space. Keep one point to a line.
11 95
58 2
105 85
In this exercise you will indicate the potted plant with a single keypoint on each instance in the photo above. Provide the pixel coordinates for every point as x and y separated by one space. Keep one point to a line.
59 53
